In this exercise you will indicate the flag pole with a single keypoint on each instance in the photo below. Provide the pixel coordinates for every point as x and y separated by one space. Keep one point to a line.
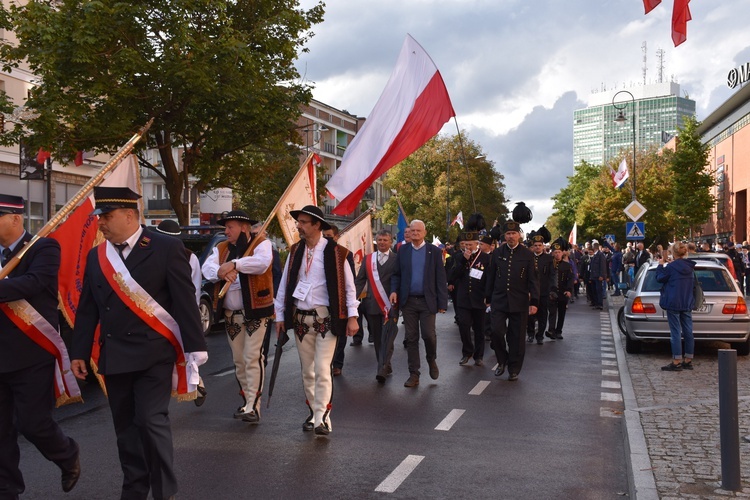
357 220
73 203
254 242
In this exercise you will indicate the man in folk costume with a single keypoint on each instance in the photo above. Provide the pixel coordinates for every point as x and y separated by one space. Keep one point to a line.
547 279
375 274
34 365
137 288
561 291
317 300
247 306
469 279
513 294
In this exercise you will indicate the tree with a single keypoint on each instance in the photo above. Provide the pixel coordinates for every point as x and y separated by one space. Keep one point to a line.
217 77
569 197
421 183
691 201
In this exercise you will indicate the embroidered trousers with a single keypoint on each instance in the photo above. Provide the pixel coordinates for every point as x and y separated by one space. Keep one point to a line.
246 341
315 357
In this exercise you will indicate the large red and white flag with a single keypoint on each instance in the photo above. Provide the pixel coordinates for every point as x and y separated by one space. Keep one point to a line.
301 192
358 239
79 234
413 107
621 175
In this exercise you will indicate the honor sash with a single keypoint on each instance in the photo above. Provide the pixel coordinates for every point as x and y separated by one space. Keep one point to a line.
37 328
376 287
185 376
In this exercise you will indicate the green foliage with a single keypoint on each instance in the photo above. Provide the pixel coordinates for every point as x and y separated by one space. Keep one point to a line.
569 197
218 77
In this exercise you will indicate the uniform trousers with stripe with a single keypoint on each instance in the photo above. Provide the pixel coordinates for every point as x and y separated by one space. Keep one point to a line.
316 352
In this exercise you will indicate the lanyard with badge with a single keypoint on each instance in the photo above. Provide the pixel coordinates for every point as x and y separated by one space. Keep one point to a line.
473 272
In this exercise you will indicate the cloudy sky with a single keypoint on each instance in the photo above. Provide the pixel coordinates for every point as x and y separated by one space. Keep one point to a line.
517 69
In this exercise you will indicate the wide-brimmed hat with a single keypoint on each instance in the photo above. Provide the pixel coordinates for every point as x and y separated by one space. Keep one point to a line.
112 198
239 215
170 227
10 204
313 212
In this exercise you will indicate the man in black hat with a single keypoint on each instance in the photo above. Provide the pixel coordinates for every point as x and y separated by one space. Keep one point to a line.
513 294
27 368
137 288
311 301
561 290
248 305
547 279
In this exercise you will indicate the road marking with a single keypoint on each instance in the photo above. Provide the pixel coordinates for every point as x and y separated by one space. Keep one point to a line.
399 474
609 355
610 373
607 349
611 384
495 367
611 396
606 362
610 412
224 373
449 420
481 386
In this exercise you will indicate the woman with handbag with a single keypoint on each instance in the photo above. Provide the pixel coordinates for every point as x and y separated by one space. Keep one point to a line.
677 300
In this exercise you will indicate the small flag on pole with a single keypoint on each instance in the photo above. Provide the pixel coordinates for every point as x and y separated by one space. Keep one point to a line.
459 219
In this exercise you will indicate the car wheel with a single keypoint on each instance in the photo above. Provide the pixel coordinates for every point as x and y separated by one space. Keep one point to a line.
743 349
206 316
621 321
632 346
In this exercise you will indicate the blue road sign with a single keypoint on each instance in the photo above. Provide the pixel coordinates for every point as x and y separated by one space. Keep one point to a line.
635 230
610 238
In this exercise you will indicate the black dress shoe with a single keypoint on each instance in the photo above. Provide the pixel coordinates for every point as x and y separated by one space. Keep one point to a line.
512 377
382 374
322 430
549 335
499 370
530 340
201 396
308 426
71 475
464 360
540 342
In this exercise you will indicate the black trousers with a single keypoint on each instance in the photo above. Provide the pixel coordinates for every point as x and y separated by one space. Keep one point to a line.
540 317
508 329
557 311
27 398
139 402
418 321
468 320
596 292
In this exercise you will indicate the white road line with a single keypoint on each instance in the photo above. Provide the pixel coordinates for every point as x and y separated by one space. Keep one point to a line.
611 384
399 474
607 349
611 396
449 420
481 386
224 374
606 362
610 373
495 367
609 355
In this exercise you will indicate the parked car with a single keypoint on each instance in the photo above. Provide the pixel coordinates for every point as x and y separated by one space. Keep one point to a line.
721 258
724 315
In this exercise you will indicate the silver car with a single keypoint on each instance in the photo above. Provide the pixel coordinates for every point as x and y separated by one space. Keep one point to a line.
724 315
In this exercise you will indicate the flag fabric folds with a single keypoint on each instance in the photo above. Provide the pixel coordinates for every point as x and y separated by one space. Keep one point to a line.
680 17
622 174
301 192
411 110
573 236
459 219
358 239
650 4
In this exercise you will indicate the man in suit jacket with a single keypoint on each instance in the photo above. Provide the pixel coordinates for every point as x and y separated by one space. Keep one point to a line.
27 370
597 274
378 283
543 263
641 256
421 290
513 294
150 326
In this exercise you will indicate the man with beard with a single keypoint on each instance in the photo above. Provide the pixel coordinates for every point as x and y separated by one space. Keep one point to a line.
248 305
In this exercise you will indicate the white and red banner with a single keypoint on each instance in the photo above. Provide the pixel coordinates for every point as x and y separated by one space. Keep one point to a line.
459 219
573 236
376 286
358 239
412 109
300 193
622 174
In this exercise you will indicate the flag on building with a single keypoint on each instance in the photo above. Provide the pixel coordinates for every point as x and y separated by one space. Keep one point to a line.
573 236
403 223
358 239
459 219
301 192
621 175
412 108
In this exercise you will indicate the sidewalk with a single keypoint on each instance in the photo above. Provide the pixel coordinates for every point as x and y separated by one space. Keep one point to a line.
672 421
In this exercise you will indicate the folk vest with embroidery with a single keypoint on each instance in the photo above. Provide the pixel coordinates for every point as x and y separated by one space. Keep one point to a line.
334 260
257 289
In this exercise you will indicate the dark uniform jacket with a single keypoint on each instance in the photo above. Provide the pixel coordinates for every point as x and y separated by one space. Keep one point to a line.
470 291
34 279
544 267
159 264
598 267
565 279
512 282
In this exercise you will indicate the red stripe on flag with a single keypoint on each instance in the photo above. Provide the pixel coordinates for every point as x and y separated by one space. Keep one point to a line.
680 17
431 110
649 5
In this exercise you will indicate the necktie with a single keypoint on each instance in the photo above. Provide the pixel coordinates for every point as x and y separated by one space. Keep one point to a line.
382 258
6 256
121 248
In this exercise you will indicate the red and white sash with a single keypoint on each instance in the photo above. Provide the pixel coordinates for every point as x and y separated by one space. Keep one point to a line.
185 376
373 278
37 328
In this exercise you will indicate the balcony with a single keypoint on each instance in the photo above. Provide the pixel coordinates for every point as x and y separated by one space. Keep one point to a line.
159 204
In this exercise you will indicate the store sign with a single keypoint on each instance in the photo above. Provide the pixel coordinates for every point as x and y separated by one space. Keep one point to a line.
216 201
738 76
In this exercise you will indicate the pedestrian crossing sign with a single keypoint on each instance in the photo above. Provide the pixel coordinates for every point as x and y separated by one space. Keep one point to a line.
635 230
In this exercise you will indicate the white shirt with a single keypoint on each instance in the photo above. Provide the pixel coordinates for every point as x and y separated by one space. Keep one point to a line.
318 294
257 263
196 276
383 257
132 241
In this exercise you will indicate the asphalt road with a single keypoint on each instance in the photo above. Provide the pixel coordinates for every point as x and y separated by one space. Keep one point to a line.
555 433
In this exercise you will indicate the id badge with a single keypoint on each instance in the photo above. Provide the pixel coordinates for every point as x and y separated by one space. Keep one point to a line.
476 273
303 288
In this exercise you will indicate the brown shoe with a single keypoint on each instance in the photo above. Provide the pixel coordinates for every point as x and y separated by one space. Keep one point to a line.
412 381
336 372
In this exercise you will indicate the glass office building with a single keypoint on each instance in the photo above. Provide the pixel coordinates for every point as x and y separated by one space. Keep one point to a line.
659 110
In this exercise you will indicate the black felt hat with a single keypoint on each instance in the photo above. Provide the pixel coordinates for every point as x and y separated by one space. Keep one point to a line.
169 227
112 198
313 212
238 215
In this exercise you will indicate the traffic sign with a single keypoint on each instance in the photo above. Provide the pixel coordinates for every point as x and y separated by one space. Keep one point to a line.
610 238
635 230
635 210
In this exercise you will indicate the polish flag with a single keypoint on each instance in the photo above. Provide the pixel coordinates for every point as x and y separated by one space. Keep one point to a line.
573 236
621 175
650 4
412 109
459 219
680 17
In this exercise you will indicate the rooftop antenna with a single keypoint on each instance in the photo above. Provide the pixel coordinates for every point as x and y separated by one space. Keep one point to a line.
660 58
645 67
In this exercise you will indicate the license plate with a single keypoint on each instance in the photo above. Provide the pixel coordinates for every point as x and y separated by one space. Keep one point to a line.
703 309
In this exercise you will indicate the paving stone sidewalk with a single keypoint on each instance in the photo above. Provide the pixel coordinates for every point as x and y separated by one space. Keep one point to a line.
679 417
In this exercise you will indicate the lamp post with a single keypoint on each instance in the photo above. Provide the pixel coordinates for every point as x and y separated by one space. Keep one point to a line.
447 199
621 119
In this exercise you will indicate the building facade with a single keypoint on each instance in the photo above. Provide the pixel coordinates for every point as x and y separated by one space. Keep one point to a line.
658 109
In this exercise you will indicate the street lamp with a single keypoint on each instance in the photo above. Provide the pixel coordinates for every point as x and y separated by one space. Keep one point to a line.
621 119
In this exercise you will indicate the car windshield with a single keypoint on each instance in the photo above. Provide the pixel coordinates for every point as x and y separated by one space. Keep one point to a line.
711 280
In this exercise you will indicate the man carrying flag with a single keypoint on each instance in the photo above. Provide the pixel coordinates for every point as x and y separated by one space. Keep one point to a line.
137 285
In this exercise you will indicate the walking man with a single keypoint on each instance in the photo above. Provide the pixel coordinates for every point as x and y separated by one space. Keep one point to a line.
597 275
547 280
562 290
